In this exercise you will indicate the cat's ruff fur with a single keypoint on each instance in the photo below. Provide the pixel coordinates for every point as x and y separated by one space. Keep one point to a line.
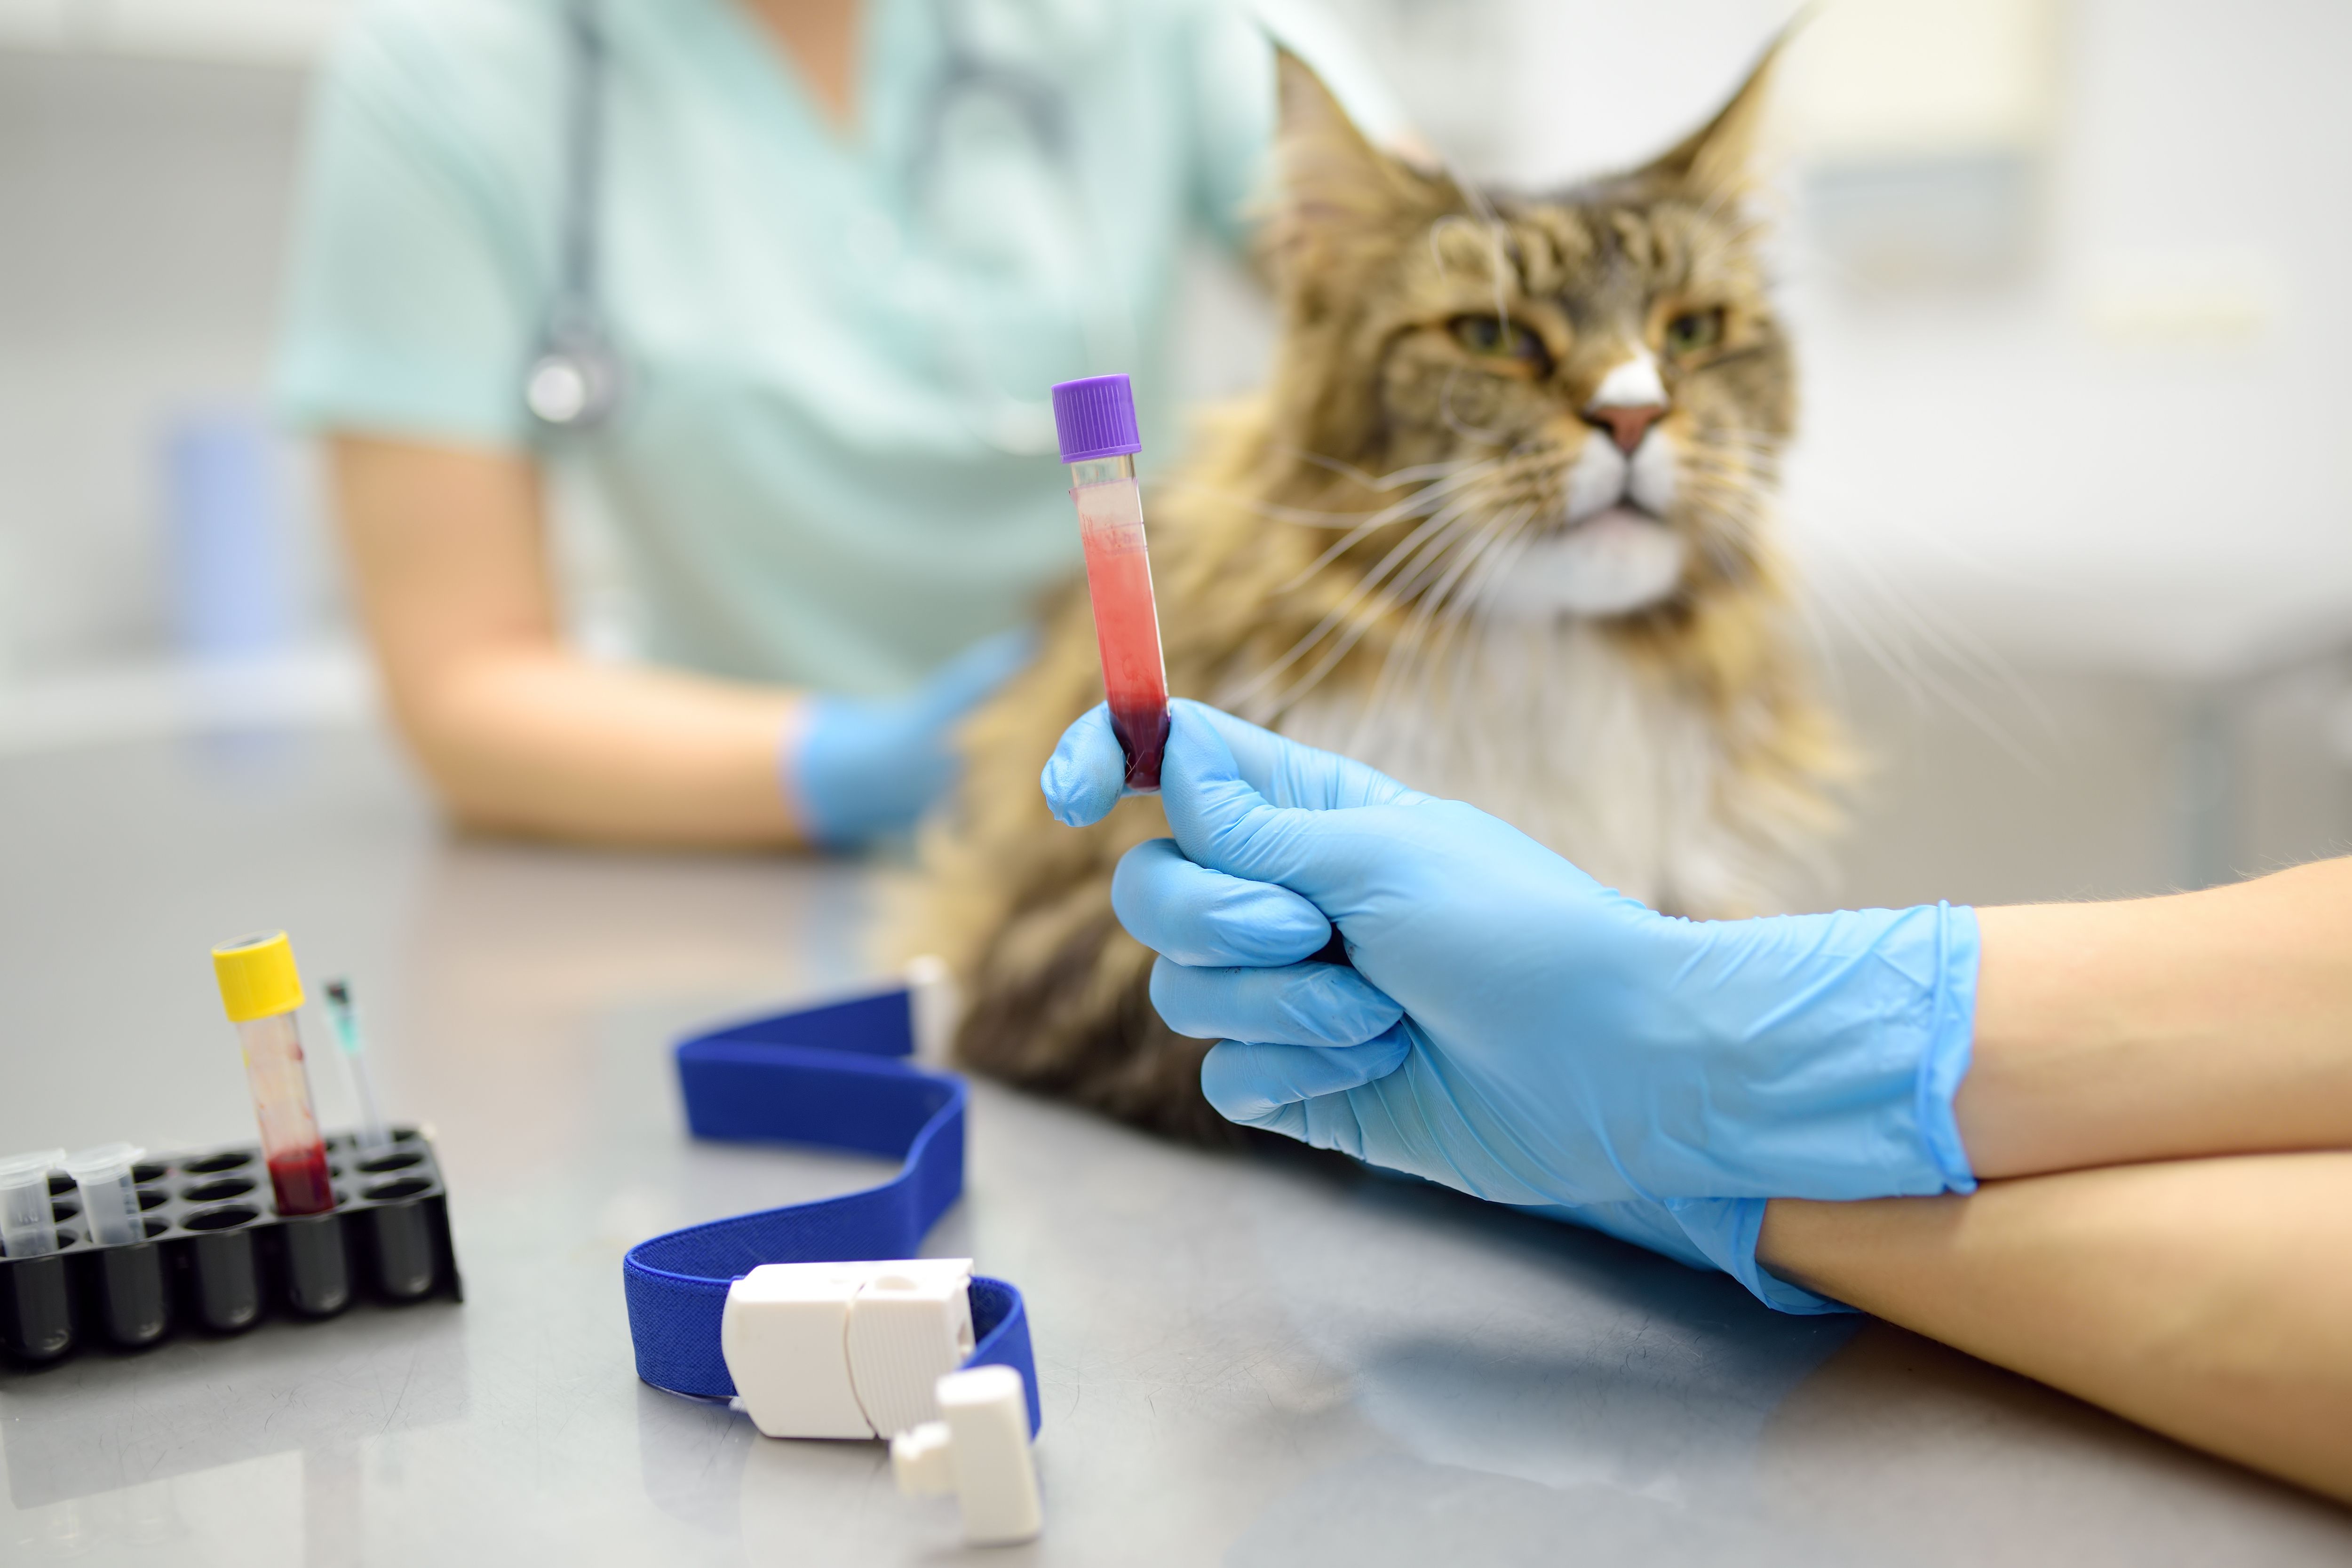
1429 553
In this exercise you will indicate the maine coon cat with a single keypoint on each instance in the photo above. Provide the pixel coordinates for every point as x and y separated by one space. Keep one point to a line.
1499 526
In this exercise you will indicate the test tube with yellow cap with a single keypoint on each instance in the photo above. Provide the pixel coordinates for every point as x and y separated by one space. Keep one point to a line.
260 989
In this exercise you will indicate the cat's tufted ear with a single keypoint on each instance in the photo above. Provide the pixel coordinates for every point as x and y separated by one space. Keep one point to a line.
1337 193
1719 160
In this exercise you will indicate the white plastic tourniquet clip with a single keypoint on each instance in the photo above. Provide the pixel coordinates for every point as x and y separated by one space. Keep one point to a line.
867 1349
978 1451
846 1350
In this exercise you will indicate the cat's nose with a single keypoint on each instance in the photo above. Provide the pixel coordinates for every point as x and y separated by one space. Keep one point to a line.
1626 423
1630 399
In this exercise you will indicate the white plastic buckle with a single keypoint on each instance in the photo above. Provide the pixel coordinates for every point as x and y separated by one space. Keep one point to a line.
978 1449
846 1350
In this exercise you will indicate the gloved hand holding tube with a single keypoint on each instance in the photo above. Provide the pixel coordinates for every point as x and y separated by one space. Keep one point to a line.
1509 1027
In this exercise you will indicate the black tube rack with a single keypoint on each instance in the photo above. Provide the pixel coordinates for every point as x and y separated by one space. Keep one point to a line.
219 1257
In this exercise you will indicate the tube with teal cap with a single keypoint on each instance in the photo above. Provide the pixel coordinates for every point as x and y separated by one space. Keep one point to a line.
374 1134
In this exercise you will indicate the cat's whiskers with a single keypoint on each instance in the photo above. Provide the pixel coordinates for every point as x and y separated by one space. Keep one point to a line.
1755 458
1444 519
1499 498
1720 493
1439 587
1361 616
1730 563
1915 644
1408 649
1427 593
1716 473
1728 476
1276 512
1706 444
1425 563
1728 529
1740 447
1389 481
1415 505
1724 494
1498 556
1465 657
1511 467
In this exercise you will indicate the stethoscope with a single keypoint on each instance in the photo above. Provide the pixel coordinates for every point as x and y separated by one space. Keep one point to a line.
577 380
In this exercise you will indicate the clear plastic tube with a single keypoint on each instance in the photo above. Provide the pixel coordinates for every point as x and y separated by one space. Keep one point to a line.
375 1136
1127 620
29 1226
280 1084
110 1202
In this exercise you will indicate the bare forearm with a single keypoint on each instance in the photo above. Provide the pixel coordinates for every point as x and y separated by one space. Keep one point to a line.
518 733
2211 1299
2213 1022
539 741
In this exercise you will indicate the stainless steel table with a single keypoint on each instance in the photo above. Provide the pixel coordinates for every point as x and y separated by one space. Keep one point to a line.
1244 1359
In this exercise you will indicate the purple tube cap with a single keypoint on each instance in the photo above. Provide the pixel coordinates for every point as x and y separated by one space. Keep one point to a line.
1095 418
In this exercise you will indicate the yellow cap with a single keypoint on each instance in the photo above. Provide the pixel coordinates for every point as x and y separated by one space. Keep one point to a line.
258 977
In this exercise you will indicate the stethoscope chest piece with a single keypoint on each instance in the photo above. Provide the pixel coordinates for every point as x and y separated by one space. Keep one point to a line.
575 382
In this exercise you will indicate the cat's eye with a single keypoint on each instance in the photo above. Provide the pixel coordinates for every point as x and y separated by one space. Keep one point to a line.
1491 337
1692 330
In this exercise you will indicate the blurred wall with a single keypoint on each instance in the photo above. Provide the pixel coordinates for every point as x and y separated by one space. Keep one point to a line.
144 202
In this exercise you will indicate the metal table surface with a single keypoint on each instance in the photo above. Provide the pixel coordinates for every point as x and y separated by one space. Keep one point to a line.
1244 1359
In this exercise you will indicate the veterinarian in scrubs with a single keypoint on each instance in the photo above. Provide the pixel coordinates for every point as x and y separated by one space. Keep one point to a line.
771 292
2157 1094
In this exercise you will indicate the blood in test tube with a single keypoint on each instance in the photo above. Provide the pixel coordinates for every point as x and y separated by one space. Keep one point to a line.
1126 623
1095 420
261 991
298 1180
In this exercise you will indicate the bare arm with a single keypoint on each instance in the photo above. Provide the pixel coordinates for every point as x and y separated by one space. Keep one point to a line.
2211 1299
2206 1023
518 733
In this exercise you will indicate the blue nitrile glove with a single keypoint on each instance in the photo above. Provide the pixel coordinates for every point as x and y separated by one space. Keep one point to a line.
1703 1232
1509 1026
864 766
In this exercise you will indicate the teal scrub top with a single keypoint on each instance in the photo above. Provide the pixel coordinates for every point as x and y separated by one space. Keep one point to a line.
827 471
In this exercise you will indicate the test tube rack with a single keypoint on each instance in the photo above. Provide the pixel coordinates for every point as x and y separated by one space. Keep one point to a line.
219 1258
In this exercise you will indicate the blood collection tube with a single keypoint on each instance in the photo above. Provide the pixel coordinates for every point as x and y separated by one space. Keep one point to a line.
28 1226
1096 421
261 990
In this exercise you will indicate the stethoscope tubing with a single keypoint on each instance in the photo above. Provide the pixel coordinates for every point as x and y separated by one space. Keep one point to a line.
578 380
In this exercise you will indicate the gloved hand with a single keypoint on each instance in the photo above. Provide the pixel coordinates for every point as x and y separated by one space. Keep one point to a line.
1704 1233
863 767
1510 1026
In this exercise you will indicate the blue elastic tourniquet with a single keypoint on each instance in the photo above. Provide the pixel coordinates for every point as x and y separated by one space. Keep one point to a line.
829 1075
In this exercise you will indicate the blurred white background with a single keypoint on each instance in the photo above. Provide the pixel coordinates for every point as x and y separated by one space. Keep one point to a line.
2070 498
